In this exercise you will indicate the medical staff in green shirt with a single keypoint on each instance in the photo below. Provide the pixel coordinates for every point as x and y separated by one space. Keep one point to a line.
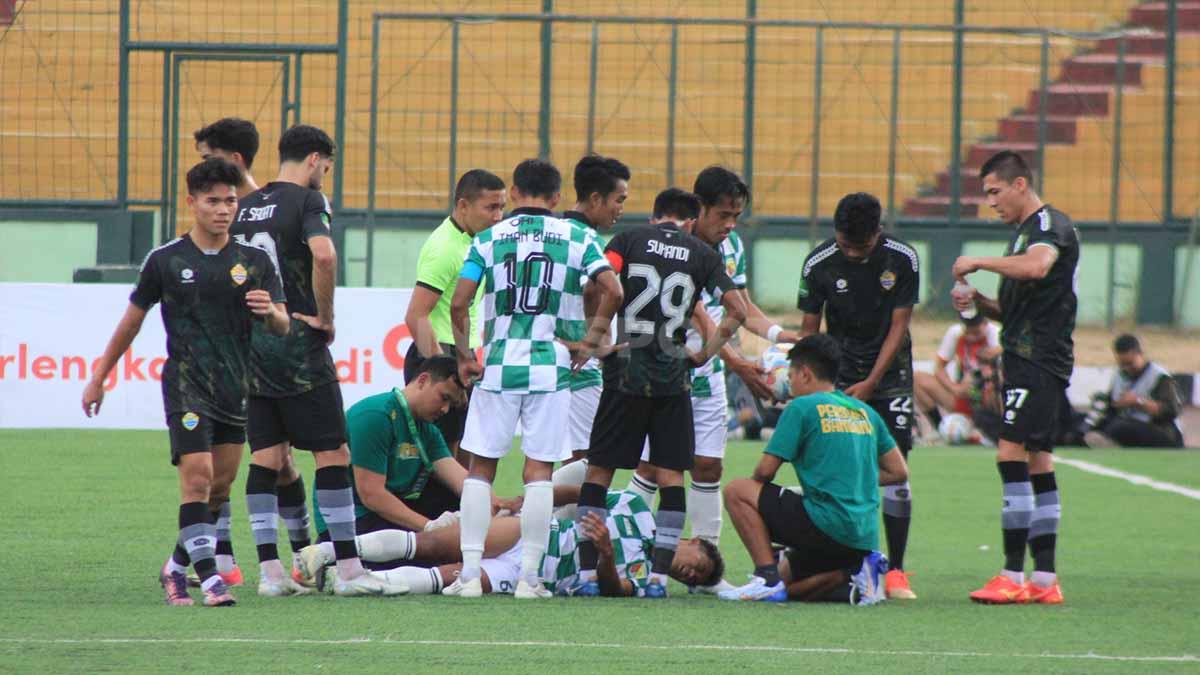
842 452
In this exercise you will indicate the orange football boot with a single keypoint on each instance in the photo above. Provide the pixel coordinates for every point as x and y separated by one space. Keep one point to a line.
1000 590
1043 596
897 586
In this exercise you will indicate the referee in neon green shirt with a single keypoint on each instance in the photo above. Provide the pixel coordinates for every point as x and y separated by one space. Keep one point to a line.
479 200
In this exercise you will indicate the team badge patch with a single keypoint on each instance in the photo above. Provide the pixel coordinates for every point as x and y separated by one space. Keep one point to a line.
190 421
407 450
887 280
803 287
730 267
637 570
238 273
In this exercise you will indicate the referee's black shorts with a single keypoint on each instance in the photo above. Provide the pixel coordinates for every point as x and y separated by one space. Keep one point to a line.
812 551
453 422
624 422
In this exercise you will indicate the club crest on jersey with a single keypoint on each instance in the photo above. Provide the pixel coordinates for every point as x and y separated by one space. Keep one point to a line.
190 421
238 273
187 276
637 570
887 280
1019 246
731 267
407 450
803 287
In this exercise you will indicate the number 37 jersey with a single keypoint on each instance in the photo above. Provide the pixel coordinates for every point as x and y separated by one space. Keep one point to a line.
663 271
533 268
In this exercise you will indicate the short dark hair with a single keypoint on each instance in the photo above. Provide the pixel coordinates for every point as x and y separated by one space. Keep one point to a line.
677 203
718 571
715 182
440 368
820 353
303 140
210 172
232 134
537 178
599 174
857 216
1127 343
475 182
1008 166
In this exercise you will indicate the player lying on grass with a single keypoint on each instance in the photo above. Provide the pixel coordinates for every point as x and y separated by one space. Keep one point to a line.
624 545
211 290
842 452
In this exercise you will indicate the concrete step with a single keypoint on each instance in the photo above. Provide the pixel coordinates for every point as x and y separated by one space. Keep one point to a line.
979 153
1080 100
1024 128
1101 68
1154 15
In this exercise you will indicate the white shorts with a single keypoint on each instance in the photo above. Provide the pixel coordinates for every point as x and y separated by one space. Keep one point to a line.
710 416
504 570
492 422
584 403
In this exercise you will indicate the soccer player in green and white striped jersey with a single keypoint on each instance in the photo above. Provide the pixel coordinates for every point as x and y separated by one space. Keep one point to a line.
723 195
533 268
624 540
601 187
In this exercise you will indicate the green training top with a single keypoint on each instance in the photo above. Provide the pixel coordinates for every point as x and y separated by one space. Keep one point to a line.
387 439
438 266
834 442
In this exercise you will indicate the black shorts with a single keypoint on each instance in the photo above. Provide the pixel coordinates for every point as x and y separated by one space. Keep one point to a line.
453 422
812 551
313 421
1033 399
197 432
624 422
897 413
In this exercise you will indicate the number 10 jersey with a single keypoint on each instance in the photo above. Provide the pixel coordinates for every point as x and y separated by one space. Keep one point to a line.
533 268
663 271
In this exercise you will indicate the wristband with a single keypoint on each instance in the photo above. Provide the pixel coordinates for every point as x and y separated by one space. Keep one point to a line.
773 332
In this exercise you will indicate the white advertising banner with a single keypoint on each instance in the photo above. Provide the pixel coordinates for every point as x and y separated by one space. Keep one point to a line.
51 336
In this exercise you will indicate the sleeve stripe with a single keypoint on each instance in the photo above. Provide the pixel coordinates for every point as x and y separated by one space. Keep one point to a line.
430 287
818 257
904 249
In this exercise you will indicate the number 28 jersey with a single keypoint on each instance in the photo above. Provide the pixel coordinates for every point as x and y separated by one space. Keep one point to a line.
663 271
533 268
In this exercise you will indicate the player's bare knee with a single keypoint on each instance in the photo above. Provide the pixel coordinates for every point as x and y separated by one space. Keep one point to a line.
537 470
482 468
270 458
288 473
707 470
195 481
324 458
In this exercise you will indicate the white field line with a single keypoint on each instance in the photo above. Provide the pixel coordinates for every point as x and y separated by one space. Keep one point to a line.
1090 656
1134 478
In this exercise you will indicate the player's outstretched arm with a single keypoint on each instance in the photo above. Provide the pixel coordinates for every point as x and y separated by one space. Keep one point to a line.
760 324
1032 265
893 470
372 490
735 316
810 324
127 329
609 300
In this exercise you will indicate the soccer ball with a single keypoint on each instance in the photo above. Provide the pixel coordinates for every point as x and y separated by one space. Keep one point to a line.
955 428
774 360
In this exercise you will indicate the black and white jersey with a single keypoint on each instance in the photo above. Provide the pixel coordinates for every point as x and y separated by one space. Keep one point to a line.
207 322
857 299
280 218
1039 315
662 271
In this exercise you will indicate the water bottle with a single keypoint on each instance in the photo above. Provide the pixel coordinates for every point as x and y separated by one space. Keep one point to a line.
964 290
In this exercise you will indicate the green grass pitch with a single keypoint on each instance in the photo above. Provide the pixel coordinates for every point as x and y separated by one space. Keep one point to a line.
88 518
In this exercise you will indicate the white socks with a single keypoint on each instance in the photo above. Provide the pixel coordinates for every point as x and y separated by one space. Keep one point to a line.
704 510
420 581
474 520
1044 579
1015 577
535 527
569 474
386 545
644 488
225 563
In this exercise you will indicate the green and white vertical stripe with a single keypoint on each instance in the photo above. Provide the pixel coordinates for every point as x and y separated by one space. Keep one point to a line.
733 254
534 269
631 525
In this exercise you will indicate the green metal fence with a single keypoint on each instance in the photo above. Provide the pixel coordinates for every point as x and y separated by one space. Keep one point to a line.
805 109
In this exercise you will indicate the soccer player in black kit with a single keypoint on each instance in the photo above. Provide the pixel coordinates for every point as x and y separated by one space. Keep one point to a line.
213 291
1037 305
647 380
295 400
866 283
